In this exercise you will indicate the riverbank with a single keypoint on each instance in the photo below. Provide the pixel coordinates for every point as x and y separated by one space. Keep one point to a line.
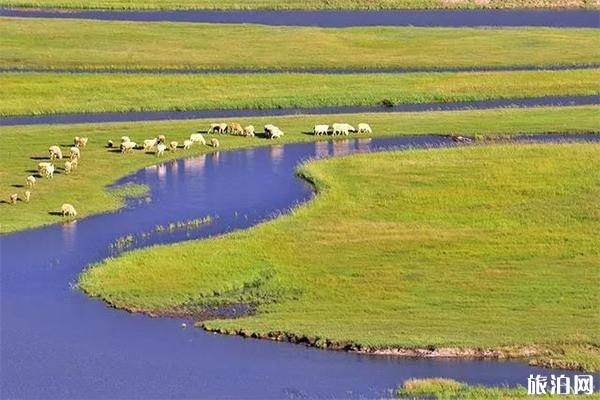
86 187
445 263
302 5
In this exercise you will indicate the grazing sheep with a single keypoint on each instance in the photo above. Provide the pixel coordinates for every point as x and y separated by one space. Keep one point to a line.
76 140
75 153
160 149
27 196
214 142
173 145
74 163
321 129
273 132
150 143
68 209
55 152
110 144
125 139
342 129
128 147
249 130
235 129
161 139
197 137
364 128
50 171
30 181
187 144
46 169
68 167
13 198
218 128
81 141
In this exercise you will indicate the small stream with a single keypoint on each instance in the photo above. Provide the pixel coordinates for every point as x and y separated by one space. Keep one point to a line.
58 343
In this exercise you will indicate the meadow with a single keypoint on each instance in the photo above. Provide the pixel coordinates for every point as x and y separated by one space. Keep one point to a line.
47 93
412 249
297 4
24 146
63 43
446 389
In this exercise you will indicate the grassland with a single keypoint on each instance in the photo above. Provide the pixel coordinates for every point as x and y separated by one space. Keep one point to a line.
86 187
34 93
297 4
484 247
446 389
56 43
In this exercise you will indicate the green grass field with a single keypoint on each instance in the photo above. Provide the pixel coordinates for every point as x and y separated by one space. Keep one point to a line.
33 93
491 246
86 187
446 389
56 43
297 4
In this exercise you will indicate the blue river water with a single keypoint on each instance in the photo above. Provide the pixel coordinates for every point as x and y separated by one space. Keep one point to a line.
58 343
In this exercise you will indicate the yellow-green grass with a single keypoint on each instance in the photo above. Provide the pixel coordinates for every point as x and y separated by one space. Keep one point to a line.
297 4
86 187
66 43
446 389
34 93
483 247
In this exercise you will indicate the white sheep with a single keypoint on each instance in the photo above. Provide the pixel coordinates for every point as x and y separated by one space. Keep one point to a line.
68 167
161 139
81 142
76 140
42 167
150 143
187 144
321 129
249 130
50 171
173 145
75 153
13 198
218 128
197 137
68 209
127 147
30 181
364 128
214 142
27 196
55 152
160 149
74 163
46 169
342 129
273 132
110 144
125 139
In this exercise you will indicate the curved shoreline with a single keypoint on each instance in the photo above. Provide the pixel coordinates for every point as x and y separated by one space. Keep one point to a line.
334 18
315 71
554 101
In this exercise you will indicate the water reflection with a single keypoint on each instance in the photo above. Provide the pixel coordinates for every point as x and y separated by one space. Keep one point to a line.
276 154
321 149
364 145
342 147
69 232
194 165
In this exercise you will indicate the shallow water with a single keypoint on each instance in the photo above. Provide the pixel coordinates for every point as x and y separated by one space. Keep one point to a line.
448 18
183 115
57 343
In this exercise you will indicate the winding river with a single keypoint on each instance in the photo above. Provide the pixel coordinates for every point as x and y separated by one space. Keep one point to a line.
337 18
75 347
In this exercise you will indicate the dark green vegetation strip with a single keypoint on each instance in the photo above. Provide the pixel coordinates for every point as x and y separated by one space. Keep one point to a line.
99 167
55 43
446 389
33 93
405 249
296 4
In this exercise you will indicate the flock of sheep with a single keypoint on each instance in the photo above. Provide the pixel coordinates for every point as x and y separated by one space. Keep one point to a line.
159 145
46 169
